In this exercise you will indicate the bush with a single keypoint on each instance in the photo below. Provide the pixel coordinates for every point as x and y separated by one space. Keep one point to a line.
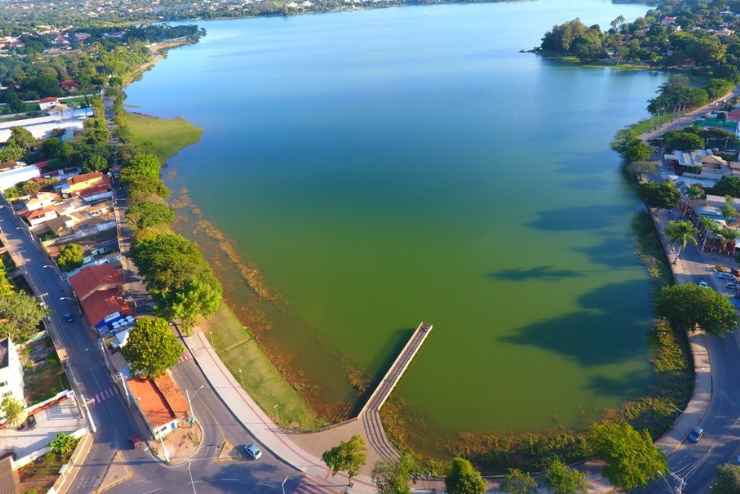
727 480
63 444
71 257
565 480
664 195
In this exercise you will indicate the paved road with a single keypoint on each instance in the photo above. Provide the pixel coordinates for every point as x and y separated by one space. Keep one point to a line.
696 464
115 424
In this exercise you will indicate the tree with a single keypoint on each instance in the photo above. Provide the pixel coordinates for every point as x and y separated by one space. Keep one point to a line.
20 316
149 214
681 233
197 298
152 348
463 478
727 186
21 138
664 195
727 480
394 476
636 150
71 257
63 444
683 140
519 482
14 410
696 191
565 480
728 209
632 458
348 457
689 305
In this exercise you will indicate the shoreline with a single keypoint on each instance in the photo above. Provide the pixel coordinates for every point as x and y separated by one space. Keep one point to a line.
160 56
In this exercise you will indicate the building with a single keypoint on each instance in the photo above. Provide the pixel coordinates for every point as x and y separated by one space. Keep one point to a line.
99 290
78 183
41 200
97 193
11 371
702 164
10 177
9 478
38 216
48 103
160 401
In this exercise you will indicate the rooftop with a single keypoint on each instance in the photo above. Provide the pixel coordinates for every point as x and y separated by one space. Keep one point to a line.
160 400
93 278
84 177
103 303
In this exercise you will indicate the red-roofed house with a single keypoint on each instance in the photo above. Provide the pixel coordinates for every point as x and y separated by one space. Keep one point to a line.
94 278
81 182
41 215
104 304
160 401
47 103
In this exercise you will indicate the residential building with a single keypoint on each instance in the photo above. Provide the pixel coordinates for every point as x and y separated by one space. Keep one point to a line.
38 216
99 290
701 163
161 402
97 193
10 177
78 183
11 371
41 200
48 103
95 278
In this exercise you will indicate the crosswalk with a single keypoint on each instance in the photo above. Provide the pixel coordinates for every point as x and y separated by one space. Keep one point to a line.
310 486
102 396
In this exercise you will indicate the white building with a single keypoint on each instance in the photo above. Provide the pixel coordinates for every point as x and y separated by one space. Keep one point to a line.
11 371
12 176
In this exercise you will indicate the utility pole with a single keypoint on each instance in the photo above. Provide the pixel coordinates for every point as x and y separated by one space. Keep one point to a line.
192 484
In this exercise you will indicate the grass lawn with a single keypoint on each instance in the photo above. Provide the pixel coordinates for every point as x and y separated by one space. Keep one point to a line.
255 372
44 381
164 137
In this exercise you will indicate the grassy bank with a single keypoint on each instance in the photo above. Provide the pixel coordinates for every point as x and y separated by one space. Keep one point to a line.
161 136
230 338
241 353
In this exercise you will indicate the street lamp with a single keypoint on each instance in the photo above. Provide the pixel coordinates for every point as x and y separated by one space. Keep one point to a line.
190 404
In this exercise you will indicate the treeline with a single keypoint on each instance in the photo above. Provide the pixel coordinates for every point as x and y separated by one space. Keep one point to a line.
20 313
177 275
105 60
687 35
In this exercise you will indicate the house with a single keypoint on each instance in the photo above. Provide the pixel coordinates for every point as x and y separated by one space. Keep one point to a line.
701 163
41 200
11 371
38 216
69 85
160 401
48 103
78 183
97 193
17 174
99 290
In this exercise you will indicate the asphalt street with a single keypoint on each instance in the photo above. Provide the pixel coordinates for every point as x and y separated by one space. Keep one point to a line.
115 423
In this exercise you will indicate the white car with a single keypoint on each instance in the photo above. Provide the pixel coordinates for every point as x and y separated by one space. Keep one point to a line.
703 284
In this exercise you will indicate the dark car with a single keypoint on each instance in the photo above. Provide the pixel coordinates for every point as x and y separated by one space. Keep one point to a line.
251 451
28 424
135 441
696 434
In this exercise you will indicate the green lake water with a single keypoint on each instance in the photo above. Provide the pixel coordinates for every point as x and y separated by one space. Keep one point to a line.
389 166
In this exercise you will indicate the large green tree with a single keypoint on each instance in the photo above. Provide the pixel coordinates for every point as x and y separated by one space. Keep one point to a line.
463 478
149 214
394 476
13 410
71 257
632 458
348 457
20 315
152 348
664 195
689 305
727 480
727 186
563 479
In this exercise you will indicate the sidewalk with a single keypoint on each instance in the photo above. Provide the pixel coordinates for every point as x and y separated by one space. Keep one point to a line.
684 271
251 416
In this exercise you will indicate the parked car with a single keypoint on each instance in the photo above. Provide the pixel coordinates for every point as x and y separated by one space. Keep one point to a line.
696 434
251 451
28 424
703 284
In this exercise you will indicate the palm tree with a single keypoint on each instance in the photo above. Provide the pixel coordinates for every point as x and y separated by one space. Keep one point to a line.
728 236
681 233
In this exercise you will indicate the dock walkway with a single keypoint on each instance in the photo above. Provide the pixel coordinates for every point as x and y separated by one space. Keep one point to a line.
370 413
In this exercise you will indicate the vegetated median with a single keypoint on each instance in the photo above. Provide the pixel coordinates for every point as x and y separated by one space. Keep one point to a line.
234 343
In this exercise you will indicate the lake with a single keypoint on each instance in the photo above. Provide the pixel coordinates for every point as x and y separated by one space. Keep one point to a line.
384 167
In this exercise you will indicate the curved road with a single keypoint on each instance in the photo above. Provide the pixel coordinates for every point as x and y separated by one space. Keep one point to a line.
114 422
694 465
